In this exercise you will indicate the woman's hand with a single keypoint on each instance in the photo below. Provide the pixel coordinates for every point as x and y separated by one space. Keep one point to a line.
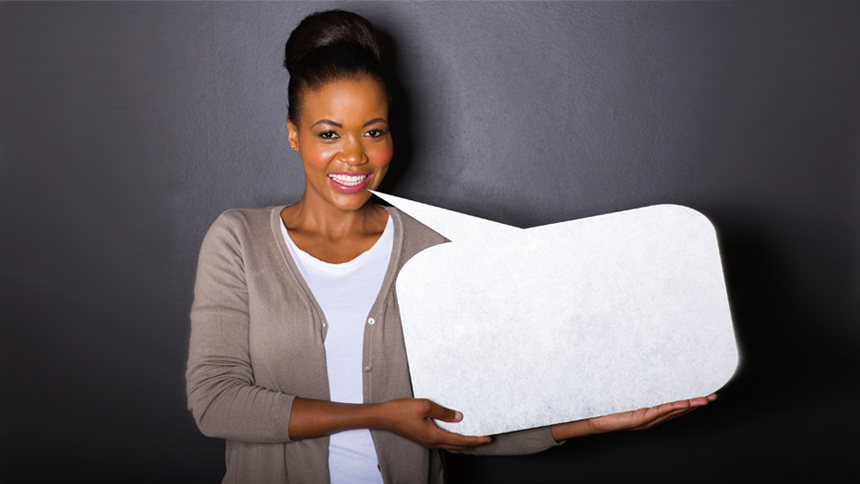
411 418
641 419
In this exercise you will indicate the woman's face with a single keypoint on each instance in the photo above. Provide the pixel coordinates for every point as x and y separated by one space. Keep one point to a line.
344 141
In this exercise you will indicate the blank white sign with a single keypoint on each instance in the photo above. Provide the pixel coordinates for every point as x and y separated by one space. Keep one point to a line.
524 328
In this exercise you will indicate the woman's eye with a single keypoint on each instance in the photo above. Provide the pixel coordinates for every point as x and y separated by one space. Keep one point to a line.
375 133
328 135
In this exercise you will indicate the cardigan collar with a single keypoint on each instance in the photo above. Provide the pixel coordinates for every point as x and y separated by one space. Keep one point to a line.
292 269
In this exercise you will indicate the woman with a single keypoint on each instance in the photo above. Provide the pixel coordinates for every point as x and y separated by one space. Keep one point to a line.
297 355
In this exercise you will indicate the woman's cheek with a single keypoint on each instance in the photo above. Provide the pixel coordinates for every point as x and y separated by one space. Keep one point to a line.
382 156
318 157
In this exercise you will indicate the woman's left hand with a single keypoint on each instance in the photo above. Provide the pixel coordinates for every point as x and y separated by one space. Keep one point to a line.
641 419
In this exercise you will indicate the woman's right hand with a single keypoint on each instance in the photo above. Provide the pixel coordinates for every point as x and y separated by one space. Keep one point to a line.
412 418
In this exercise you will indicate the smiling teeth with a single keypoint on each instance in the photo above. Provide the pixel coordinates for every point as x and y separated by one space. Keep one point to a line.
348 180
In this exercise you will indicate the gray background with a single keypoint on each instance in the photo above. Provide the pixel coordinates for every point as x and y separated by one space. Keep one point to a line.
126 128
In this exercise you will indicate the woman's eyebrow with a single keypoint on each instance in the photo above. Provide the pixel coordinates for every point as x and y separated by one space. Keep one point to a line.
376 120
328 121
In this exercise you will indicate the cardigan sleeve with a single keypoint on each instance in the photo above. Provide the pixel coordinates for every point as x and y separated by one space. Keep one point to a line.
222 394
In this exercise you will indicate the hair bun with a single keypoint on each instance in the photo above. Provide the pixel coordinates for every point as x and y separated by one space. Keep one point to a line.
331 28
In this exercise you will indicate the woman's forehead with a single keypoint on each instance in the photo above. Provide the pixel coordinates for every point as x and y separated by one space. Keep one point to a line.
346 101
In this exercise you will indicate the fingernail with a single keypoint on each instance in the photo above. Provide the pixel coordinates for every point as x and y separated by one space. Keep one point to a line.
457 415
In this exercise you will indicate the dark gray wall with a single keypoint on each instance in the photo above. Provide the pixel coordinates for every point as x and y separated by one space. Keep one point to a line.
126 128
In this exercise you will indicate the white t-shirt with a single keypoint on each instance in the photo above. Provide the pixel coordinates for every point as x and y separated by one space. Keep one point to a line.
346 292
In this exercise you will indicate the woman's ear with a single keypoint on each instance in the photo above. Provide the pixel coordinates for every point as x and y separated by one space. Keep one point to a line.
293 136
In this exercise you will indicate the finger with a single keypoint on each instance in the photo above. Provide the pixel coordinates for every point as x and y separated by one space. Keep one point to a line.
699 402
664 418
672 415
460 446
444 414
460 440
694 403
659 416
661 413
442 437
665 409
466 440
683 405
647 416
473 440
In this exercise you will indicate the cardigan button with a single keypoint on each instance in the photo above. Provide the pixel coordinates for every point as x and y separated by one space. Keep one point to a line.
367 369
371 321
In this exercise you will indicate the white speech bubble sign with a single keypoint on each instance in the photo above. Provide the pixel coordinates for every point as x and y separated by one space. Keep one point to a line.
521 328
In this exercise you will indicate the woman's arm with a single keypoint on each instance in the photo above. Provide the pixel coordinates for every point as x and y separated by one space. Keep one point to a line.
222 391
539 439
411 418
227 403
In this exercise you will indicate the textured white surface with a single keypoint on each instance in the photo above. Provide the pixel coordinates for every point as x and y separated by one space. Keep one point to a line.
523 328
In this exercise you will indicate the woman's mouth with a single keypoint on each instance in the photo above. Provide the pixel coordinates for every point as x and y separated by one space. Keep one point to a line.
349 182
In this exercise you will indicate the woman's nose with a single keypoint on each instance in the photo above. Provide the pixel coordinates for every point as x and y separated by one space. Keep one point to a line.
352 153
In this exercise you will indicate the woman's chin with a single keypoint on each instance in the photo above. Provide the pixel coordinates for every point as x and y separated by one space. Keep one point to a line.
350 202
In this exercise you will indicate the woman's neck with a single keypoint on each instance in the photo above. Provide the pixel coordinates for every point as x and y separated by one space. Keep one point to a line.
329 221
331 234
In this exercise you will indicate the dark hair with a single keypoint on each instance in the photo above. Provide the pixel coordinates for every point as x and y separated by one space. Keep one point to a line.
328 46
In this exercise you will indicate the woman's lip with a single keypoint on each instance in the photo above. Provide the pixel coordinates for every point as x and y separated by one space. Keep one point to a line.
350 188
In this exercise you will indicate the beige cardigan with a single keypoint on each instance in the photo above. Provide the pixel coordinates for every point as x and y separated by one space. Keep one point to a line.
257 342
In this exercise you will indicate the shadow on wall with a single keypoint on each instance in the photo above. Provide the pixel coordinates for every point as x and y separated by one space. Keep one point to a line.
400 117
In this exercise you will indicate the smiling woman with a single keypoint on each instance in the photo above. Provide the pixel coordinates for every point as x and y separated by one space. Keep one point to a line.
345 144
297 356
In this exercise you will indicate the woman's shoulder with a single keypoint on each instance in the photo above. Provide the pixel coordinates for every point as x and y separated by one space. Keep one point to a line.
243 223
248 217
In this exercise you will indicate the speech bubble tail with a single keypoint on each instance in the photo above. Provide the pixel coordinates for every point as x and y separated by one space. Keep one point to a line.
454 226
